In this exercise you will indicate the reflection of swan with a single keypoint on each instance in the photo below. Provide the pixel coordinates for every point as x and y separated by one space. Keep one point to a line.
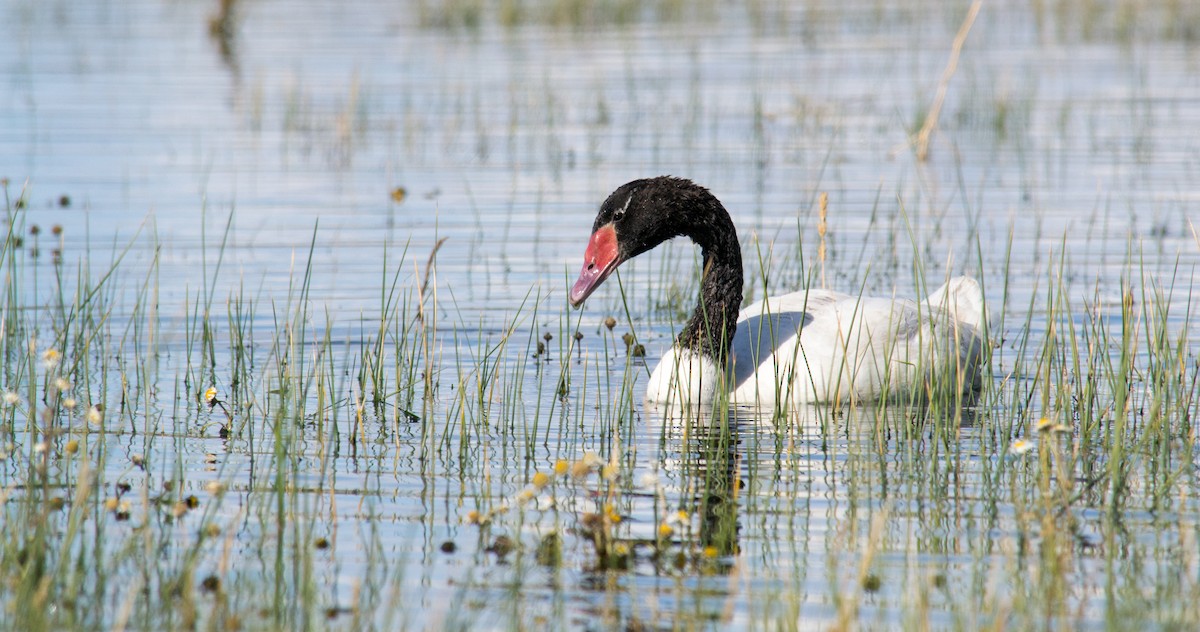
690 420
707 468
806 346
677 417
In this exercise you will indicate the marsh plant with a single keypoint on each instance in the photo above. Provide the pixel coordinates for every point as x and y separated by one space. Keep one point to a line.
241 478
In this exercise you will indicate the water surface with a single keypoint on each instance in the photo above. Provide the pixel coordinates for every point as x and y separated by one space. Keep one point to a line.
252 174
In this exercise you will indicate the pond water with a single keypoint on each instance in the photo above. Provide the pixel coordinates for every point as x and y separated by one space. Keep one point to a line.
357 222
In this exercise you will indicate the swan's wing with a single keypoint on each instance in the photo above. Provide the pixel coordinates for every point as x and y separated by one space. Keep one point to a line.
810 301
879 319
831 318
901 343
818 345
766 326
765 344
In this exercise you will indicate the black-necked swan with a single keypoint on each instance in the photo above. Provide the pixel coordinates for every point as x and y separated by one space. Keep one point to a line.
808 346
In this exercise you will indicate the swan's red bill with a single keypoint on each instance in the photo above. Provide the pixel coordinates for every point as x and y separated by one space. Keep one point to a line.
599 261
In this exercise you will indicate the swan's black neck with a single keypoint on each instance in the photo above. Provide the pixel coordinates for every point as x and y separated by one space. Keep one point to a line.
714 321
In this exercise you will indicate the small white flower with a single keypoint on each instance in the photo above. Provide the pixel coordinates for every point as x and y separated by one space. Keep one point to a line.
62 384
1045 424
649 479
1020 447
11 398
95 414
215 488
50 358
69 403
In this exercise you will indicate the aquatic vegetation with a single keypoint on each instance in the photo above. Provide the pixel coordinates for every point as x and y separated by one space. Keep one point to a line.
1082 436
328 378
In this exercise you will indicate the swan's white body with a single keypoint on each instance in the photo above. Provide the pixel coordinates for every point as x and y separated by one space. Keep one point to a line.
823 346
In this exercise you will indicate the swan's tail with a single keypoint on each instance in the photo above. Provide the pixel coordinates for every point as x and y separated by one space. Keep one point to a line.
962 298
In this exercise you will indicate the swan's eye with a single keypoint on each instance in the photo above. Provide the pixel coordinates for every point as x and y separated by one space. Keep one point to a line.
619 214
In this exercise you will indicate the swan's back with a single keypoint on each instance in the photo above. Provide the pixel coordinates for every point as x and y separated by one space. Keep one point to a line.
822 346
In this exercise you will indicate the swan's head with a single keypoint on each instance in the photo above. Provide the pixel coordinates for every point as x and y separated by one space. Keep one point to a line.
636 217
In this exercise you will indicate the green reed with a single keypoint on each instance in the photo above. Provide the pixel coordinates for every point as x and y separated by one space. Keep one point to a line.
924 507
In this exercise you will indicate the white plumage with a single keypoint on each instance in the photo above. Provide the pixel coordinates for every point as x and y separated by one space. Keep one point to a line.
807 346
823 346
